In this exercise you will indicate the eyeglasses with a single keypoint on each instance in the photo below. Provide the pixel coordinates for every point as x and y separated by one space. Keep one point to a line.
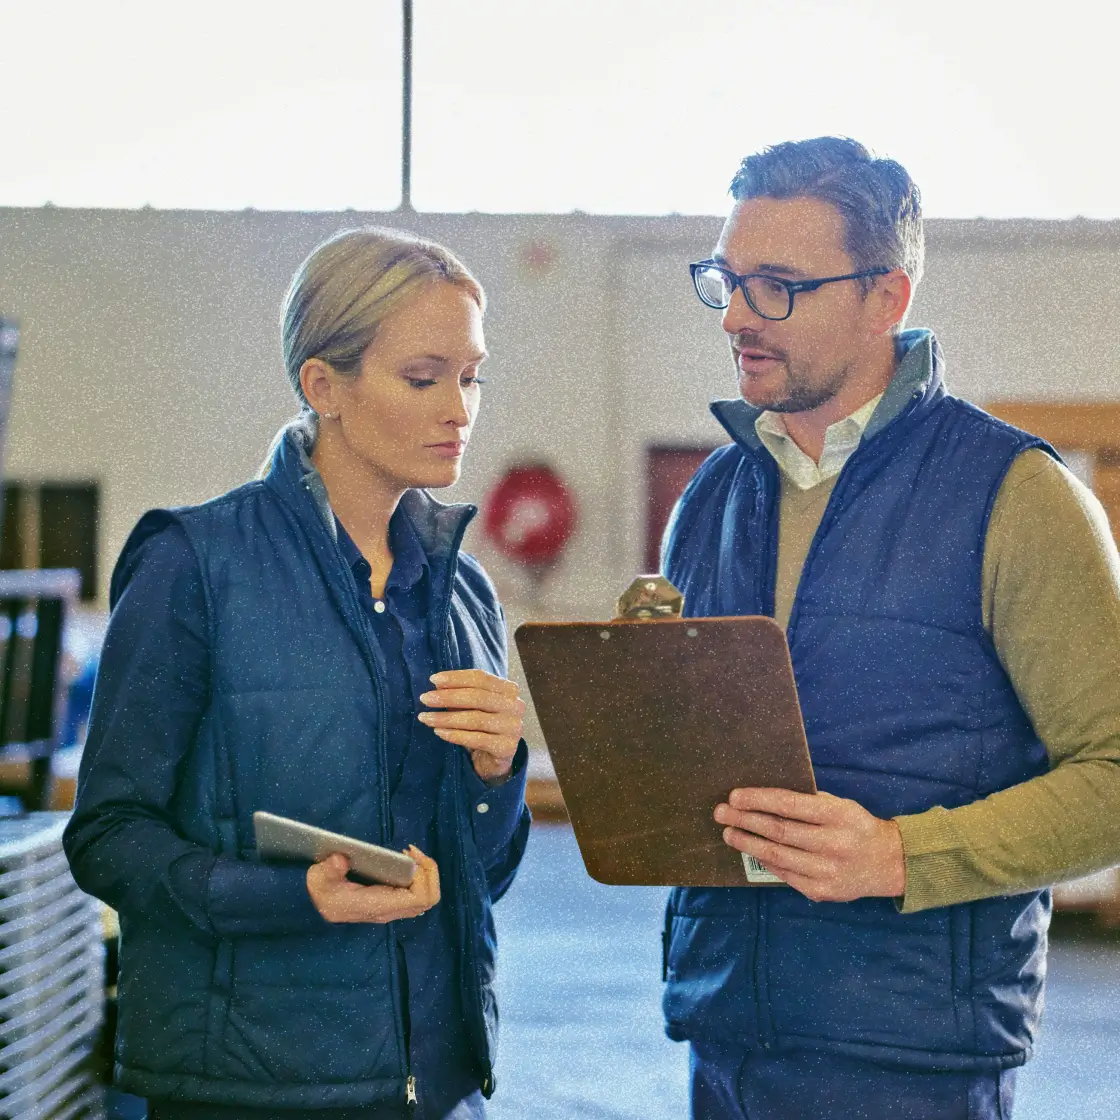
771 297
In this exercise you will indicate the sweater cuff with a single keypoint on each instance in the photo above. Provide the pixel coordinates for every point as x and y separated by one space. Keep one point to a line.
936 874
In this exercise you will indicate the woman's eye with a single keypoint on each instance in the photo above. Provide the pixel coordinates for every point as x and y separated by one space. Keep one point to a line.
473 379
421 382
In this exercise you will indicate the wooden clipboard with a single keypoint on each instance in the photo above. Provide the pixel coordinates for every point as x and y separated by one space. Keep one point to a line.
650 724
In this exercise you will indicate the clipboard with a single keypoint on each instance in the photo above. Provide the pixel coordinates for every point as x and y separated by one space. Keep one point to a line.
650 724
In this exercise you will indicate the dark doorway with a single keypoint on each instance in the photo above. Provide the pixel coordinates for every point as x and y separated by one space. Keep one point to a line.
668 470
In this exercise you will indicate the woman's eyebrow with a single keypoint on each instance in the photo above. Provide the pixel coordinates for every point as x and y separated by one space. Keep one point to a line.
441 359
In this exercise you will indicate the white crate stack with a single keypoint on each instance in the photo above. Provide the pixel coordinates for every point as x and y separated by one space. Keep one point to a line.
52 978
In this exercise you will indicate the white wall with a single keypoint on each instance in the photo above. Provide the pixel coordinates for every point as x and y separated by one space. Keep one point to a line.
150 359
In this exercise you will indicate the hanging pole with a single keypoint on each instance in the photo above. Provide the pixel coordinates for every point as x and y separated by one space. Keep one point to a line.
406 110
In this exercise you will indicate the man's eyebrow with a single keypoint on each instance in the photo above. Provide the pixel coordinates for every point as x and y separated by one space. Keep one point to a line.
784 269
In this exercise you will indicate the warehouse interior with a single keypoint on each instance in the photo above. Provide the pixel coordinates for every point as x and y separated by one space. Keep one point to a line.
154 204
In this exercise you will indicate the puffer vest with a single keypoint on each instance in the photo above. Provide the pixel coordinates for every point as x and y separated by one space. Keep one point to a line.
295 725
906 706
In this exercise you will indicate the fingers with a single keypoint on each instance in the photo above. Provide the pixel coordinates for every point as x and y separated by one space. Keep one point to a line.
333 869
477 699
813 808
474 678
339 900
483 714
502 747
782 830
775 857
497 723
425 884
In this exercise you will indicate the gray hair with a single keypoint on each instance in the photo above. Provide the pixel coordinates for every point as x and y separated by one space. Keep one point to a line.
342 293
879 203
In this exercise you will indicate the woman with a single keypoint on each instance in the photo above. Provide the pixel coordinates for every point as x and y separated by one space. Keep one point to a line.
314 644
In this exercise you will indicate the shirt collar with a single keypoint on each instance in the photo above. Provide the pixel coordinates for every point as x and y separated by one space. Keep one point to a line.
840 440
409 561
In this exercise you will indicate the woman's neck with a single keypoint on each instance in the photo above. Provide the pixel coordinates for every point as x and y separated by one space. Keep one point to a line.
361 499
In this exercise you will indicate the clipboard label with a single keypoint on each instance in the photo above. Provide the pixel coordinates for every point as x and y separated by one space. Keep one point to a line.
756 873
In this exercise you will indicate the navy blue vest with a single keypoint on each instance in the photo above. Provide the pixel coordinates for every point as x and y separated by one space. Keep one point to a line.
295 724
906 707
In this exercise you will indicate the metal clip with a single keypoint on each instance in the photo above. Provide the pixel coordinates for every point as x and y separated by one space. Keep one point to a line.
650 597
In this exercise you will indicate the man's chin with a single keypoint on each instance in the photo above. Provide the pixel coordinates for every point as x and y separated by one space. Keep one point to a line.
759 395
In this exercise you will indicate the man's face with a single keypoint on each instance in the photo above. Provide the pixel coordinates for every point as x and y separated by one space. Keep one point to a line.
800 363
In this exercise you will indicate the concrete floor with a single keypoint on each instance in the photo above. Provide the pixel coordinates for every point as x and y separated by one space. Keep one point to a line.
579 992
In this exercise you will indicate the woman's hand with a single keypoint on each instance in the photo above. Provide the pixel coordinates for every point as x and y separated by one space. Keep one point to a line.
483 714
340 900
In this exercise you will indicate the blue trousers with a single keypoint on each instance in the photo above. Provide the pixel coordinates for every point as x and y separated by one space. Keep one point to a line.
731 1084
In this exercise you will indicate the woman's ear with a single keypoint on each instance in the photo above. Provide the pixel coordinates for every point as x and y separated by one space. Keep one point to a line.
889 300
317 381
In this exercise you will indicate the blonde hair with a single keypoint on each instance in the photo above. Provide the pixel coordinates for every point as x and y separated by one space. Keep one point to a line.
342 293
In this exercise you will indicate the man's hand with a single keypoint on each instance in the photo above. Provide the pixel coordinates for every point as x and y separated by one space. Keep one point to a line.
828 848
340 900
483 714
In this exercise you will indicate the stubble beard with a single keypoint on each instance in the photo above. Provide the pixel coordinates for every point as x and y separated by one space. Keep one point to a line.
798 393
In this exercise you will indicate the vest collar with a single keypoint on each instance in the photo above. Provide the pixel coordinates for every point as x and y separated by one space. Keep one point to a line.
439 526
918 379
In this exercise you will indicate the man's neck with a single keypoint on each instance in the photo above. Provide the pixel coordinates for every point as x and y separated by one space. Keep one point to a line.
807 429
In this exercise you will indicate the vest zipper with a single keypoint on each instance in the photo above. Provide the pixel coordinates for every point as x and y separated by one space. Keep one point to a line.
386 808
468 948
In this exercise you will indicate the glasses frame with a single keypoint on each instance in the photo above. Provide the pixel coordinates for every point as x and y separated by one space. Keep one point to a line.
792 287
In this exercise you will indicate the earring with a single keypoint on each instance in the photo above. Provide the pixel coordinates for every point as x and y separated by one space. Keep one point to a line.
330 415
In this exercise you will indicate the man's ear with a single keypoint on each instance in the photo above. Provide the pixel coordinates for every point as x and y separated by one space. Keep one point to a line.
317 380
889 300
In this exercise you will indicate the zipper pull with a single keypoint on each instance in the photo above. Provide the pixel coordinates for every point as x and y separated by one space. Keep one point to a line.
410 1091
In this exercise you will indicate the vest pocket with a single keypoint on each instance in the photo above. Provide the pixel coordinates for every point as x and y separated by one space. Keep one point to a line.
310 1009
308 1036
708 964
863 973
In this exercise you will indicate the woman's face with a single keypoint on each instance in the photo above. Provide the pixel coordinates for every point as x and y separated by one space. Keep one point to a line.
408 414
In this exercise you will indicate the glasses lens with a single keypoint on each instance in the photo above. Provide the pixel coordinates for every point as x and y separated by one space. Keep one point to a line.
770 298
713 287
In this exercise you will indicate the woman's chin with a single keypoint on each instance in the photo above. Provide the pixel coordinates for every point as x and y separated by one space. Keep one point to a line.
438 477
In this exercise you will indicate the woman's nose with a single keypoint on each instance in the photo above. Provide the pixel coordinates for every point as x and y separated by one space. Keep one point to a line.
458 411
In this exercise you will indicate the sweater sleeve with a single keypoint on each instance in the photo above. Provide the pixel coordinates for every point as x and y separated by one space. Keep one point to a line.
1051 603
150 694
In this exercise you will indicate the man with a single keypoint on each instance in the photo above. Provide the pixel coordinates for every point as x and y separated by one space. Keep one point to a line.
950 594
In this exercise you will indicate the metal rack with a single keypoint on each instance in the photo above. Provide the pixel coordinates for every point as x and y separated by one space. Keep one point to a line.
52 977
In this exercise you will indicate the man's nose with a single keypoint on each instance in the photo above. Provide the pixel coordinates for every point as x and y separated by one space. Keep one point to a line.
739 316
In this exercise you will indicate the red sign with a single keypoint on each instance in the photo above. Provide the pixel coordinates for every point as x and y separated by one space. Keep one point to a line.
530 514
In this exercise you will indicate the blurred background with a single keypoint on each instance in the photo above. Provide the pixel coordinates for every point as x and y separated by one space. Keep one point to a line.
163 171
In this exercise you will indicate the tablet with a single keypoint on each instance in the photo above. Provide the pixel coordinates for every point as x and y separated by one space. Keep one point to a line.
281 838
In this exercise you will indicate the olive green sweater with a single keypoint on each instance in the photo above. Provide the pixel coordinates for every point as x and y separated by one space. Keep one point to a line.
1051 603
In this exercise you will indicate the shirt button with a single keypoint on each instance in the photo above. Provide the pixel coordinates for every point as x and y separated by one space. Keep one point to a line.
379 606
482 807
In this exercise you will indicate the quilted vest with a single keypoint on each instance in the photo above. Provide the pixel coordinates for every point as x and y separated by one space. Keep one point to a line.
295 725
906 706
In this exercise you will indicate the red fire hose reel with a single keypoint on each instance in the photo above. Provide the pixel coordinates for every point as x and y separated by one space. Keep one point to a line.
530 515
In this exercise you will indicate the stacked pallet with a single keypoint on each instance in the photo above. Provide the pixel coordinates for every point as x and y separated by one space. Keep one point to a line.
52 979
